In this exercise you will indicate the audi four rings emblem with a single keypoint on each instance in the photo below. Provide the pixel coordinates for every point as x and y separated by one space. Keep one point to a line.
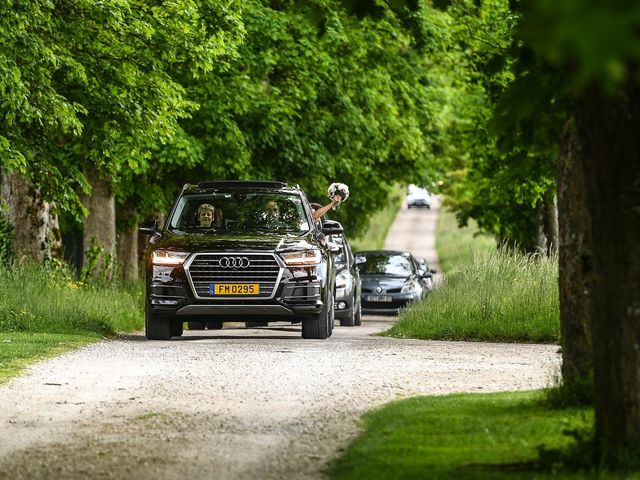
234 262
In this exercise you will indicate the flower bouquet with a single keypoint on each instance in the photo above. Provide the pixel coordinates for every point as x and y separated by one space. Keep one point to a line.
338 189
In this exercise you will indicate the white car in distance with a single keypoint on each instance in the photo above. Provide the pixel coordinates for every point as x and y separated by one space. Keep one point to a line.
418 197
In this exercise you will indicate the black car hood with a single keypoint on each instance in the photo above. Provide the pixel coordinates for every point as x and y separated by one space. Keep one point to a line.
259 241
384 281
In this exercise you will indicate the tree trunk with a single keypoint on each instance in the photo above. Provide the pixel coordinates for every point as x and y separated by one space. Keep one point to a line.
34 222
608 131
575 265
553 233
99 235
127 243
541 238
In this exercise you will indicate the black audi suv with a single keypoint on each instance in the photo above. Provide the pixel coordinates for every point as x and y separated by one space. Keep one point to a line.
240 251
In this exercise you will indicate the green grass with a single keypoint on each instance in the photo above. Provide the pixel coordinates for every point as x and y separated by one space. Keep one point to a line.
457 246
470 436
380 223
44 312
488 295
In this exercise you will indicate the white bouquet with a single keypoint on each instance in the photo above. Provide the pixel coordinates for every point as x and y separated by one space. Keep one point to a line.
338 189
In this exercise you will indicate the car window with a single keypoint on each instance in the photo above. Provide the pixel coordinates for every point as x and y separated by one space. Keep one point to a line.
386 264
239 211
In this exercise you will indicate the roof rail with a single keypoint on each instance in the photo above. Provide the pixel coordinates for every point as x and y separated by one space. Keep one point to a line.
241 184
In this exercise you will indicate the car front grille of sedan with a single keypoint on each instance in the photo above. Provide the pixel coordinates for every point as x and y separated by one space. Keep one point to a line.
208 269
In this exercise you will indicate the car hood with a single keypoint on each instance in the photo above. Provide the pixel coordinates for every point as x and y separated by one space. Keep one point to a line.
249 242
384 281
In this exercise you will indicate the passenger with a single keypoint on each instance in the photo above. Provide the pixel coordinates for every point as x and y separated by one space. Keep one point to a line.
205 215
319 211
272 211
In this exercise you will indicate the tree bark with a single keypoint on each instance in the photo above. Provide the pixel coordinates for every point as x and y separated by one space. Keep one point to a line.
34 222
127 243
553 227
100 225
575 264
541 238
608 129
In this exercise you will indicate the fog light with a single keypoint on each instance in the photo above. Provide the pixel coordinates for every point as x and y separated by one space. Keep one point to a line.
342 305
164 302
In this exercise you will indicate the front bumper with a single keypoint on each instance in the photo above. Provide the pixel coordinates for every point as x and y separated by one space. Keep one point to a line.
172 296
398 301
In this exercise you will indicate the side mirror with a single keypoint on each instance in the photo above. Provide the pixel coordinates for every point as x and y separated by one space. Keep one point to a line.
331 227
149 228
360 259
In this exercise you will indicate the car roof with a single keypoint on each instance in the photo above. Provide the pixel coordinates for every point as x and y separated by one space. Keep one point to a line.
384 252
263 185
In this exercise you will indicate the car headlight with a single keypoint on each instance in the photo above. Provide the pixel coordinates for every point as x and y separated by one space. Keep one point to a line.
302 257
343 279
168 257
409 288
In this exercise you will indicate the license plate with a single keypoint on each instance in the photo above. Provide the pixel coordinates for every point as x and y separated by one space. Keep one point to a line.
234 289
378 298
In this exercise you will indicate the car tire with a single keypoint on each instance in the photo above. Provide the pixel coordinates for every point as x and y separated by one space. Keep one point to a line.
256 324
357 320
155 327
214 325
196 325
319 326
177 328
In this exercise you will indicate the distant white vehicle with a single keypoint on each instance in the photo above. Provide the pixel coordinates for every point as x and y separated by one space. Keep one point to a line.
418 197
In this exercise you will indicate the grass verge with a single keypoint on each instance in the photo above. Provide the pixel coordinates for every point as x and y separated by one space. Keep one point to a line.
488 295
472 436
44 311
380 223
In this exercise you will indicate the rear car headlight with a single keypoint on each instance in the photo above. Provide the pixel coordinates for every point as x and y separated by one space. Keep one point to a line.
302 257
168 257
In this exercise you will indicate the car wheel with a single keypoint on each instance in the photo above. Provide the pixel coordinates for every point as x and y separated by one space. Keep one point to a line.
216 325
155 327
256 324
177 328
358 316
196 325
318 326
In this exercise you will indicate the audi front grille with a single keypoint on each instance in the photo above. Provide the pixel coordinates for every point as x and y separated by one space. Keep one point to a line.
206 269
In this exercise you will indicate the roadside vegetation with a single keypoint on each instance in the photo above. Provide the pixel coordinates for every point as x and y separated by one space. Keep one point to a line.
488 294
45 311
514 435
376 233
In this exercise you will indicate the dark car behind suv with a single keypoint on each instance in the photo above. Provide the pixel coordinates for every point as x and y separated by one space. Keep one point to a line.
261 258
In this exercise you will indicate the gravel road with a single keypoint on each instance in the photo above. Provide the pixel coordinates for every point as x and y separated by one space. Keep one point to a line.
237 403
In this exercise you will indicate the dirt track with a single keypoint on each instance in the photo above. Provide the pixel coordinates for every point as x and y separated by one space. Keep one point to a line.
238 403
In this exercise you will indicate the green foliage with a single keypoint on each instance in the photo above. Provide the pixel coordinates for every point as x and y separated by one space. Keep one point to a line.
488 294
5 236
490 436
49 300
94 82
503 296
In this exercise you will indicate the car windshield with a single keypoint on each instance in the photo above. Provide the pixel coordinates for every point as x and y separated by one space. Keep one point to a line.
398 265
238 212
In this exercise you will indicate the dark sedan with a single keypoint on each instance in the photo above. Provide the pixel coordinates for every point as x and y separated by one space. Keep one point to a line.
390 280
